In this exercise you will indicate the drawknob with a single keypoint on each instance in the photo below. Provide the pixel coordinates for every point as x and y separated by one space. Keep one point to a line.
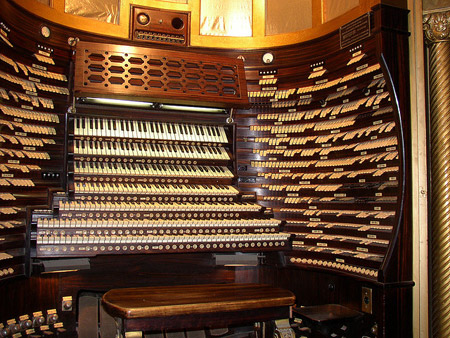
38 321
26 324
52 319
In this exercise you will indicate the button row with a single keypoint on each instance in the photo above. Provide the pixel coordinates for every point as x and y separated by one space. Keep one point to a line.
155 206
49 223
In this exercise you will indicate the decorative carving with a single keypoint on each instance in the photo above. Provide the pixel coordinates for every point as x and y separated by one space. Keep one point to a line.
437 26
159 75
437 29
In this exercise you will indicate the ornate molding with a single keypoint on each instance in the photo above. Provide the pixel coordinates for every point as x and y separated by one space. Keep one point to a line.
436 26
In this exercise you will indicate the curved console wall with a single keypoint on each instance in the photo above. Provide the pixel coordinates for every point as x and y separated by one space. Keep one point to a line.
328 156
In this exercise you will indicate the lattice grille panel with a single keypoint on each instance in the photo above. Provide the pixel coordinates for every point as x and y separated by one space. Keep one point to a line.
167 75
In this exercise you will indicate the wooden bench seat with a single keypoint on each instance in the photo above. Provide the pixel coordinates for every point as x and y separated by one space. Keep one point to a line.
196 306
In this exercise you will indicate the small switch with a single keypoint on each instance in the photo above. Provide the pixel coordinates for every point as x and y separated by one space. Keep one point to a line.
366 303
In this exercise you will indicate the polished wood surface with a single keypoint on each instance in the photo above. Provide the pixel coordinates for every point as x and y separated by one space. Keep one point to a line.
166 301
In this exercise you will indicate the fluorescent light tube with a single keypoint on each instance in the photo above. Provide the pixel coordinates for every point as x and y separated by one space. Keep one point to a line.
192 108
116 102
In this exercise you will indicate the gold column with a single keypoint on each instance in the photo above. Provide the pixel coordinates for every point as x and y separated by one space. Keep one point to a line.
437 32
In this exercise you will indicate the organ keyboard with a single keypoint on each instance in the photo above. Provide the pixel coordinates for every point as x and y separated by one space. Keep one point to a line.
151 170
64 245
68 207
139 186
154 189
129 149
105 127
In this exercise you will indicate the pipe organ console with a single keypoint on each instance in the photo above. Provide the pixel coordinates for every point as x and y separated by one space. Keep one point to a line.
304 167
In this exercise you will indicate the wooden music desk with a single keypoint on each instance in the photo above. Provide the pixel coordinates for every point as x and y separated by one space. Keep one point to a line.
196 306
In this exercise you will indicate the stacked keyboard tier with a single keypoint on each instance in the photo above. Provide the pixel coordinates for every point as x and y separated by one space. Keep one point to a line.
33 101
326 157
152 186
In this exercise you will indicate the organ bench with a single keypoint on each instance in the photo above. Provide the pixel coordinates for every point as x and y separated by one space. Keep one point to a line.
195 306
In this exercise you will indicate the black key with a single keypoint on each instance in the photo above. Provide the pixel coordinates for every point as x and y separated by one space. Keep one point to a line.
215 131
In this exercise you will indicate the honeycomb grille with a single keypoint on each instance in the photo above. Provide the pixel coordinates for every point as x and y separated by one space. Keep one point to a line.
159 74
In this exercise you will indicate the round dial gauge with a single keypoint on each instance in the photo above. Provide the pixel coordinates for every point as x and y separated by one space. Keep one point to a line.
267 58
45 31
143 19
